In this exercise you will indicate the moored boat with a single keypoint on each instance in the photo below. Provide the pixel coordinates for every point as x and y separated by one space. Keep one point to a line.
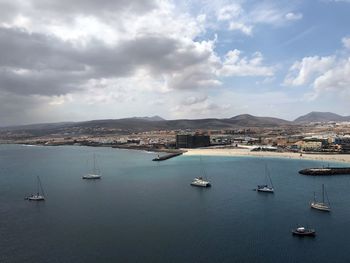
39 196
199 181
266 187
322 206
95 174
302 231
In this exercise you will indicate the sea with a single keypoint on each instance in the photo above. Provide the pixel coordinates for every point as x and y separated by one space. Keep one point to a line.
144 211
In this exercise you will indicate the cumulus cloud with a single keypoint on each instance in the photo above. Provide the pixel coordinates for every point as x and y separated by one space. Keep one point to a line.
323 74
302 72
235 65
58 53
336 79
241 27
346 42
244 18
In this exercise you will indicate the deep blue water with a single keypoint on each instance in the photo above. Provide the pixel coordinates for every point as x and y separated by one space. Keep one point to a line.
143 211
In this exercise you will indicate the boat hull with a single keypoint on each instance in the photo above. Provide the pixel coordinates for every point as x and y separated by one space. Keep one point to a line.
92 176
35 198
265 189
307 233
201 184
320 206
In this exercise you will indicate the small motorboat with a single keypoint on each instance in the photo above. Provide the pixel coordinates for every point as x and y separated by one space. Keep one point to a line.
199 181
302 231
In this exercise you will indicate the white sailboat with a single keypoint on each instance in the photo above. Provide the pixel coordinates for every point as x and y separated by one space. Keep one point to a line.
39 196
200 181
266 187
322 206
95 174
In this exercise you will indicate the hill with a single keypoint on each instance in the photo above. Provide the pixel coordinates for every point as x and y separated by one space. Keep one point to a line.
321 117
139 124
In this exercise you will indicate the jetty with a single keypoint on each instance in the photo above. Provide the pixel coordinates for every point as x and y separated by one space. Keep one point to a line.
326 171
167 156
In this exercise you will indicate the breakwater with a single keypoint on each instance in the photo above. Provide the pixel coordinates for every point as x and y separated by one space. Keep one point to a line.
326 171
166 157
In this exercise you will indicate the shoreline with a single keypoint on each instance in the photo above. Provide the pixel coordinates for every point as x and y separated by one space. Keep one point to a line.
342 158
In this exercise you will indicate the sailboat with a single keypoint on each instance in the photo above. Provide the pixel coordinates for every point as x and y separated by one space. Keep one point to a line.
321 205
95 174
200 181
39 196
266 187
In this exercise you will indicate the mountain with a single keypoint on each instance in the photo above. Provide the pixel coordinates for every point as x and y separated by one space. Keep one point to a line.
140 124
153 118
254 121
316 116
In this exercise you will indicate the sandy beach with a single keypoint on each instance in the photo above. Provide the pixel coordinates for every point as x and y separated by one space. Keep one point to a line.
246 152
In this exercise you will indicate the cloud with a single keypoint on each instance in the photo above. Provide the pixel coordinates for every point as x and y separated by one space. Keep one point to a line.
244 18
59 56
241 27
35 63
194 100
234 65
336 79
302 72
329 74
293 16
346 42
201 109
229 12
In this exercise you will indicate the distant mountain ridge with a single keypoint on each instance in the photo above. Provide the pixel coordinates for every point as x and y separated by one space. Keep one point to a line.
139 124
316 116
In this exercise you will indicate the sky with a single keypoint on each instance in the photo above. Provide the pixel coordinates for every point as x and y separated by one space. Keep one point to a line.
107 59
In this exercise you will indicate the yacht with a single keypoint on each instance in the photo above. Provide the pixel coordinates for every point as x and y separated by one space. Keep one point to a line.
266 187
322 206
95 174
39 196
199 181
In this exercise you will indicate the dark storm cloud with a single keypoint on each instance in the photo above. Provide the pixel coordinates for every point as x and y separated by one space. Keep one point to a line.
33 63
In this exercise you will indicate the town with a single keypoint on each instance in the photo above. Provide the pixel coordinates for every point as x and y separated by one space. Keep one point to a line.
319 137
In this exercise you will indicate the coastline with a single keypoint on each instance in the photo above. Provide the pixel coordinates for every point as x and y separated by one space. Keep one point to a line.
343 158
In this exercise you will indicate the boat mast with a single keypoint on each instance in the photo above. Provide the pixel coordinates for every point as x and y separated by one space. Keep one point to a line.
38 184
202 168
267 174
323 193
40 187
94 171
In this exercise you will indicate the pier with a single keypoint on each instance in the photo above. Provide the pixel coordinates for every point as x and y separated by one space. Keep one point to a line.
166 157
326 171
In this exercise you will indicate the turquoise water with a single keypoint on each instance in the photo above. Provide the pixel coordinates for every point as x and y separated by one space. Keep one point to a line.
144 211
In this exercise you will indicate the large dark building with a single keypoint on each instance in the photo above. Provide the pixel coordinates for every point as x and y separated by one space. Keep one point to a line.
344 142
192 141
